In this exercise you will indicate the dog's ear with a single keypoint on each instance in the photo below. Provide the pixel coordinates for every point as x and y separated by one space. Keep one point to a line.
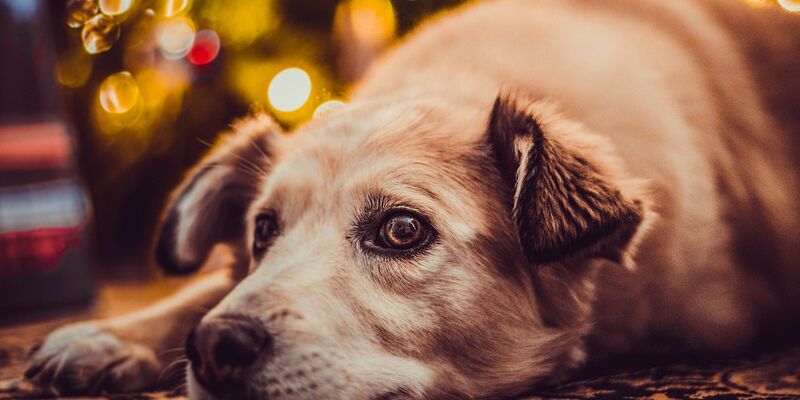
562 205
209 206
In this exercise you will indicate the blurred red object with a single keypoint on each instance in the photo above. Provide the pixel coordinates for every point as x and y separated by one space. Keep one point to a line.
34 146
36 250
205 48
39 223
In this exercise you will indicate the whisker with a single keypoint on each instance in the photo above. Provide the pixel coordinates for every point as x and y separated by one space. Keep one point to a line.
249 163
260 150
178 365
167 351
254 174
204 142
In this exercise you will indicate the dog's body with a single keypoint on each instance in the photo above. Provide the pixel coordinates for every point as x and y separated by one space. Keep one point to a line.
660 200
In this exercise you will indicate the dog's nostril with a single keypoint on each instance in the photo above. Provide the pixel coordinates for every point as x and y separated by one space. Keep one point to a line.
241 343
219 348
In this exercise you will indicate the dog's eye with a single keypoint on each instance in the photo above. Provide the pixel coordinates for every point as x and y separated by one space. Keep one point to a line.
266 229
402 231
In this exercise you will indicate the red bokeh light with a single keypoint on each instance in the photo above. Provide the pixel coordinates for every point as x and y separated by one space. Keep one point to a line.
205 48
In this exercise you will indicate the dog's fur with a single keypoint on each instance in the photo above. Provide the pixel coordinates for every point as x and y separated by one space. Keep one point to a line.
632 181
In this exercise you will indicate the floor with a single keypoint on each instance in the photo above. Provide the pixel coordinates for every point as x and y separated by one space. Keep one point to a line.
772 374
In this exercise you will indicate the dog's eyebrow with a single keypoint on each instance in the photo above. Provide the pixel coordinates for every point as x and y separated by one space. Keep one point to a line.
422 190
405 195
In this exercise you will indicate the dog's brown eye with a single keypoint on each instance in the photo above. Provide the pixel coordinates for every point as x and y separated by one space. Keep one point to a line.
402 231
266 229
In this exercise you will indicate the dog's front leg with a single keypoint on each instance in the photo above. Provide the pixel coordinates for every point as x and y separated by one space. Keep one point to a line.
127 353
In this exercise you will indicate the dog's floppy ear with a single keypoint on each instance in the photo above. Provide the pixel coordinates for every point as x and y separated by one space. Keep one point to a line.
209 206
562 204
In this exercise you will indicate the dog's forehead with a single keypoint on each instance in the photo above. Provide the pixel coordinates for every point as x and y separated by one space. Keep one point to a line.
412 132
415 152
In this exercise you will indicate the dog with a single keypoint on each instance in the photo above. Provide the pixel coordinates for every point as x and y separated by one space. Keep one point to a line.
516 189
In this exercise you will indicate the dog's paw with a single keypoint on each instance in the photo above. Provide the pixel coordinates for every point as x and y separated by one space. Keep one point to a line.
85 359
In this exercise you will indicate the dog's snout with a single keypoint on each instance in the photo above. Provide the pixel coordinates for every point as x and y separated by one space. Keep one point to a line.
221 348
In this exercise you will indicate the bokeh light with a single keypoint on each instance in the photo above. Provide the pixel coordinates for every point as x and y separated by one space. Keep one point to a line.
155 86
115 7
99 34
239 23
289 90
205 49
73 68
328 107
790 5
171 8
372 21
175 37
758 3
80 11
118 93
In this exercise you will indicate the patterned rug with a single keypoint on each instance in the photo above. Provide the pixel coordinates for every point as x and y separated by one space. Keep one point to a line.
773 374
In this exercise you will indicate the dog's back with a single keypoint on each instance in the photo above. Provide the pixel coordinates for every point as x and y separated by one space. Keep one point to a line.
768 39
700 98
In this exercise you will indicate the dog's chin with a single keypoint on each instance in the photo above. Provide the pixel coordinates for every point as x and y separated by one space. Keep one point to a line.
193 388
196 391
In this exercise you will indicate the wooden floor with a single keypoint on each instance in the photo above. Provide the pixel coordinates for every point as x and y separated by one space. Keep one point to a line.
770 374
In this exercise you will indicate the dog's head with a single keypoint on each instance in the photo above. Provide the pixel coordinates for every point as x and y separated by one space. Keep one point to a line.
399 250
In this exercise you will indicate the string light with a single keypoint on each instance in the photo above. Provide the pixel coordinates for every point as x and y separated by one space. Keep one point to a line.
328 107
790 5
80 11
171 8
289 90
118 93
175 37
73 69
372 21
205 49
99 34
115 7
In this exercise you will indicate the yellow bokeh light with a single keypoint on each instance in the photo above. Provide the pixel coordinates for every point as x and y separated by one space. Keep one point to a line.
239 23
79 12
115 7
289 90
758 3
372 21
175 37
73 69
153 87
171 8
249 77
328 107
158 85
790 5
99 34
118 93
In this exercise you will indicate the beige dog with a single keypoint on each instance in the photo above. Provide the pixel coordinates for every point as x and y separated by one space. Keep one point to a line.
632 180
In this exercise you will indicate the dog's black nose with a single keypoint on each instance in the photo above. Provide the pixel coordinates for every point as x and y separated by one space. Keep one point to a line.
221 348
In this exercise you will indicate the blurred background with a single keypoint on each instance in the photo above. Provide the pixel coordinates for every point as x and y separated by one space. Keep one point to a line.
105 103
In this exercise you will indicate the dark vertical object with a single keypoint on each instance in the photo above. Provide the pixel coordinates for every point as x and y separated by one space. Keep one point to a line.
44 210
